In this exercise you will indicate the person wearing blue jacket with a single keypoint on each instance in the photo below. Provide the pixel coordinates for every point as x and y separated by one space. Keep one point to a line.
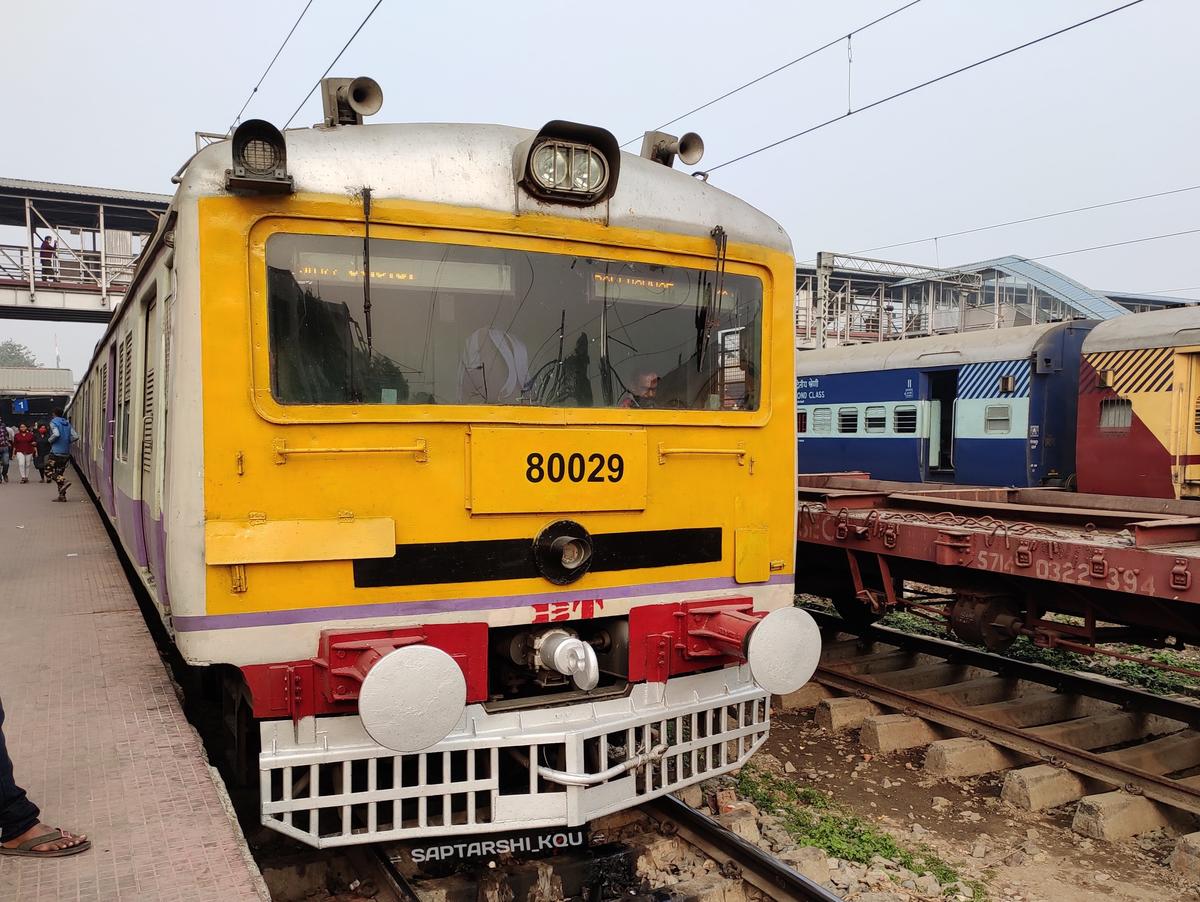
62 434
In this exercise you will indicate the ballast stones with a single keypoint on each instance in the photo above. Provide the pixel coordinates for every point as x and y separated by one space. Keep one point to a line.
412 698
783 650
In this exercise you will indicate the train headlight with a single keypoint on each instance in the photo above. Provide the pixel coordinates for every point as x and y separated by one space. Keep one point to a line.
259 160
562 552
569 162
576 168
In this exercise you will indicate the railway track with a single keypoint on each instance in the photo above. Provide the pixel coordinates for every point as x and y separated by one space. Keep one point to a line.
607 870
1129 757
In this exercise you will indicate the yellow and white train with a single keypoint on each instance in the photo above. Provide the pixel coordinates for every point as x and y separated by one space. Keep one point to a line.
466 454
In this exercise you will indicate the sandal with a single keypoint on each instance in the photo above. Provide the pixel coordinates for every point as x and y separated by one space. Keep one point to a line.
26 850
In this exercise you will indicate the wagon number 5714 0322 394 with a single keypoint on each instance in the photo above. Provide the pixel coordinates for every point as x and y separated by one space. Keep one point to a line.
577 467
1079 573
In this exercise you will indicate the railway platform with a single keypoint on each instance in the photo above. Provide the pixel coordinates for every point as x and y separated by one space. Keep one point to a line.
94 725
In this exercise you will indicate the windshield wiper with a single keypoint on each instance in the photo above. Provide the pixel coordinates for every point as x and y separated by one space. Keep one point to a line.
706 316
366 199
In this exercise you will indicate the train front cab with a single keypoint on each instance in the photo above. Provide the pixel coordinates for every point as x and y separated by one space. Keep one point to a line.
1139 406
416 476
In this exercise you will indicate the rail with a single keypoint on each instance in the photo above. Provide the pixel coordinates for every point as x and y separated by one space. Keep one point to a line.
758 868
1096 765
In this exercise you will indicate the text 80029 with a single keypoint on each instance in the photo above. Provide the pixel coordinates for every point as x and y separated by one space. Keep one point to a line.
576 467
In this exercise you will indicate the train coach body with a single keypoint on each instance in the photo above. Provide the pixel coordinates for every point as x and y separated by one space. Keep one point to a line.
986 408
1139 406
405 413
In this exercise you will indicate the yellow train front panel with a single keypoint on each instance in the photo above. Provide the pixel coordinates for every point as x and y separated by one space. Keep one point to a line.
345 511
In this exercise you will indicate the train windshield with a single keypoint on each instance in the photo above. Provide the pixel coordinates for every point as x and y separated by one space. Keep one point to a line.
451 324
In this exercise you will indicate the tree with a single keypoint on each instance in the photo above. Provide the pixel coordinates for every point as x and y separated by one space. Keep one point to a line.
15 354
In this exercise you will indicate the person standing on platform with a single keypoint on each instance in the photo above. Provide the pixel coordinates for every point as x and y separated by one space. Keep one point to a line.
42 439
21 833
5 451
62 434
24 445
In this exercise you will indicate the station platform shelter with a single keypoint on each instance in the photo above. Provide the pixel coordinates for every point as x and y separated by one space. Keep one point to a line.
94 725
849 299
29 394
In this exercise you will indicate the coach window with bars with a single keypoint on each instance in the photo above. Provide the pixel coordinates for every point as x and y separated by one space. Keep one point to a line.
904 419
875 419
997 419
452 324
822 420
124 393
1116 413
801 420
848 419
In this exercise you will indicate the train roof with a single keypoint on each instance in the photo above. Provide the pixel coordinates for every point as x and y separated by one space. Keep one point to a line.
472 166
1155 329
1016 343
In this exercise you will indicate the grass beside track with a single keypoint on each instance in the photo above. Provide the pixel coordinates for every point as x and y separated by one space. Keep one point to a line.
1161 681
813 819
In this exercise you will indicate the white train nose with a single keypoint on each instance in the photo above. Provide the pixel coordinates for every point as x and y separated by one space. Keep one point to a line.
783 650
412 698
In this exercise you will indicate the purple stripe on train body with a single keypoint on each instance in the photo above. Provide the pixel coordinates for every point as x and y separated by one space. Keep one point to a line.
158 563
129 526
203 622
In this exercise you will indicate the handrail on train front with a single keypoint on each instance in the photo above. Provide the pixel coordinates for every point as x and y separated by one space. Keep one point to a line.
740 452
419 449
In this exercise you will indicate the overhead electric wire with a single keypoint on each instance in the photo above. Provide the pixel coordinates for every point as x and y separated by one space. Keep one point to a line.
1170 290
924 84
1010 222
317 84
1099 247
267 71
832 43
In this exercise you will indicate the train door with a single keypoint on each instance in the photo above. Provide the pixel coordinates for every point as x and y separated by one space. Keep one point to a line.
147 467
942 391
1187 445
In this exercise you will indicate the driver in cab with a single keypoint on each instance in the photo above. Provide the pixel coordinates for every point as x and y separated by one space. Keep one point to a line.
644 391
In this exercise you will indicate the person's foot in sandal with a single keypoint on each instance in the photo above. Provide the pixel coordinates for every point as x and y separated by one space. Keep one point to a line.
41 841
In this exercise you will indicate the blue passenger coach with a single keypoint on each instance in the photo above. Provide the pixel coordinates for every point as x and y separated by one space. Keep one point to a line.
977 408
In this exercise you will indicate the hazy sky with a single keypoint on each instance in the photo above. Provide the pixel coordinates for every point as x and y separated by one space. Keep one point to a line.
110 94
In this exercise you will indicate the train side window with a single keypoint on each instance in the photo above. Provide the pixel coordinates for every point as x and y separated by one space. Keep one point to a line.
801 420
904 419
875 419
822 420
1116 413
997 419
848 419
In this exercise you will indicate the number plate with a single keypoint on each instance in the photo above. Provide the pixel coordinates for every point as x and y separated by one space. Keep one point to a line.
561 470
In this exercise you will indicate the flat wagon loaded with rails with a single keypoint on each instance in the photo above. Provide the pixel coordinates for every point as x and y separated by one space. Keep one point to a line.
470 484
1117 411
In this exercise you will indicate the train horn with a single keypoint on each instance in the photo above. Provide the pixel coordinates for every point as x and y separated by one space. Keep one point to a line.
363 95
663 148
346 101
